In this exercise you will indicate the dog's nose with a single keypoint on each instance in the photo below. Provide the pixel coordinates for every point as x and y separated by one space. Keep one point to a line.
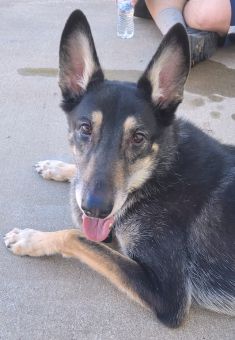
96 206
96 213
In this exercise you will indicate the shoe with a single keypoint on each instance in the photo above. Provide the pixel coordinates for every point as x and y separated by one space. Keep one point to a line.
203 44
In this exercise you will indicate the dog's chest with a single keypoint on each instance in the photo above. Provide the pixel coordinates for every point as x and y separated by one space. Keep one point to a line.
129 236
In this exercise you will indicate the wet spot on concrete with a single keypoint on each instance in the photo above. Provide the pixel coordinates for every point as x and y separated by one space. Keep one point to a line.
233 116
197 102
216 98
125 75
215 114
209 78
43 72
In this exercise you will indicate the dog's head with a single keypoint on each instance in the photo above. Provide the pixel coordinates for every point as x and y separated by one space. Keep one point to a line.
117 129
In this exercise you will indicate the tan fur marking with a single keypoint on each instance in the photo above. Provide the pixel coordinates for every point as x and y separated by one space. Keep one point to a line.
119 175
141 171
155 147
103 264
71 243
119 183
97 118
129 123
100 261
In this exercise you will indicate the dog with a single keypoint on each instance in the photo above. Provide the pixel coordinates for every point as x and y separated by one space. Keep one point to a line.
164 186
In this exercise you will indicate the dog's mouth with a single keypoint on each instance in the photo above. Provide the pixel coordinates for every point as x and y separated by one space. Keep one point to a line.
96 229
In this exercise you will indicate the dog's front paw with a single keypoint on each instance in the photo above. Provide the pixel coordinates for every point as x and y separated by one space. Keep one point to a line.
52 169
25 242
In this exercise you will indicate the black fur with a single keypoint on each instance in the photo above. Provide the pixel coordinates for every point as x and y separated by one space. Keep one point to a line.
179 225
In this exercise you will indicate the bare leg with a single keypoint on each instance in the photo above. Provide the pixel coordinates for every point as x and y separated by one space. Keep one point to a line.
166 13
56 170
209 15
155 7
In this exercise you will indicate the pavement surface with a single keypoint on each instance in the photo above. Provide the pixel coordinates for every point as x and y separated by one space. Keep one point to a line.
56 298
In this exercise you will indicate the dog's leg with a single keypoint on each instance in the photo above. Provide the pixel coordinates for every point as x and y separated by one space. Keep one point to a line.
122 271
56 170
126 274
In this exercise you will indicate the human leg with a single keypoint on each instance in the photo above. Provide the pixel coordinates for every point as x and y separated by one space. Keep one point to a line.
166 13
210 15
169 12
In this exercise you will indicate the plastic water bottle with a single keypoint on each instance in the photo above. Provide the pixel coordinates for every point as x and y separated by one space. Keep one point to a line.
125 22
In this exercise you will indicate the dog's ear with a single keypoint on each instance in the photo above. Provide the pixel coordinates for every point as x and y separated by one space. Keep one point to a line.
79 67
163 80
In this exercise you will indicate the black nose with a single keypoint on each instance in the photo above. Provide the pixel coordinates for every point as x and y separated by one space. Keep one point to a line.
97 206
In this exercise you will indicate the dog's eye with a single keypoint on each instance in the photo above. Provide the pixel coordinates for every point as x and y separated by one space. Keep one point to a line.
86 129
138 138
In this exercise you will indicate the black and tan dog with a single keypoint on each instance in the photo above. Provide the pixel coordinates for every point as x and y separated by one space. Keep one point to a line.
166 187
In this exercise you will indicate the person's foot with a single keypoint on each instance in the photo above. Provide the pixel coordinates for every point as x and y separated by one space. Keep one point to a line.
203 44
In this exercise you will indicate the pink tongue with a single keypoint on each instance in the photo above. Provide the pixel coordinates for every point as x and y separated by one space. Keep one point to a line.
96 229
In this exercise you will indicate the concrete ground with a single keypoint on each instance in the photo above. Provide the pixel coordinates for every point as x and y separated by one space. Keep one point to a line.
56 298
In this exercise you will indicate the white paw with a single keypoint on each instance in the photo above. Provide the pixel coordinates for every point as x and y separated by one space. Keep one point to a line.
25 242
52 169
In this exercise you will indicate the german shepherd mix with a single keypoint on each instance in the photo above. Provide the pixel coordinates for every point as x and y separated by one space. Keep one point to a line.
166 187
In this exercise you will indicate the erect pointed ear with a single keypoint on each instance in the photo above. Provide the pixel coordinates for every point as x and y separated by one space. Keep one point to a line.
163 80
79 66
